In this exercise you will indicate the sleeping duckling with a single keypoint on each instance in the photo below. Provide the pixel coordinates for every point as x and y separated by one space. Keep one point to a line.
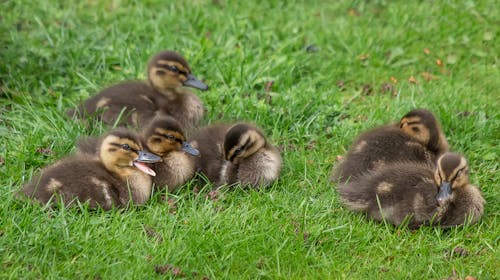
112 180
417 137
417 193
165 137
237 153
136 103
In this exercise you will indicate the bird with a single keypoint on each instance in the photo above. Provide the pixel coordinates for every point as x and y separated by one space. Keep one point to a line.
135 103
119 175
417 193
417 137
236 153
165 137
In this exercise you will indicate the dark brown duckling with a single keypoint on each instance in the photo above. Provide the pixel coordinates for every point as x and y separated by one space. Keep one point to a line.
165 137
118 175
136 103
417 193
417 137
236 153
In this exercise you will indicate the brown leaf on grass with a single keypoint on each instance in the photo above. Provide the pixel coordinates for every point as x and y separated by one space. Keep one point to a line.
393 80
460 251
153 234
172 206
412 80
311 145
427 51
117 67
363 56
2 161
388 88
341 85
208 34
439 62
428 76
464 114
353 12
468 277
44 151
162 269
269 85
366 89
339 158
213 195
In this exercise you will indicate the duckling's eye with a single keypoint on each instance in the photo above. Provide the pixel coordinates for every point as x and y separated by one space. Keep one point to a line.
415 129
237 151
126 147
170 137
174 69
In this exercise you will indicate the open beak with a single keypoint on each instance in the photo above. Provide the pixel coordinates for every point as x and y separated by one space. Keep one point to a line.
444 192
192 81
186 147
145 157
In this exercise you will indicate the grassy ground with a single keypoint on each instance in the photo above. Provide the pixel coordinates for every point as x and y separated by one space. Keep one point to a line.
313 75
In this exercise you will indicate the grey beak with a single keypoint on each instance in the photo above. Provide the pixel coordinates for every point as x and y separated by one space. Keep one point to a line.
192 81
148 157
186 147
444 192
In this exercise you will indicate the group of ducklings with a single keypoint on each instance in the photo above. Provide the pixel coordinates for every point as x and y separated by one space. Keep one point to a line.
400 173
403 173
124 165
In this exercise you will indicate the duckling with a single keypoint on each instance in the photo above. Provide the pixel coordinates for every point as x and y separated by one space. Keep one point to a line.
165 138
236 153
417 192
112 180
417 137
136 103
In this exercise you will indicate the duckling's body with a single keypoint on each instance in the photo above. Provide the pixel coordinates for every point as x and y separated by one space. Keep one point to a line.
137 103
165 138
417 138
112 179
417 192
236 154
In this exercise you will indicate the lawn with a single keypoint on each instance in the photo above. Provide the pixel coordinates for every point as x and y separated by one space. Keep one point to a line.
312 74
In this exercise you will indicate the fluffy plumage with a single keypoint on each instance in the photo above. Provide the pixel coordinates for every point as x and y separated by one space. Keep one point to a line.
417 192
136 103
236 153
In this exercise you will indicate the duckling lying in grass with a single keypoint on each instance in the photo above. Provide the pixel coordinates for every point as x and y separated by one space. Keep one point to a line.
236 153
417 137
418 193
165 138
117 175
136 103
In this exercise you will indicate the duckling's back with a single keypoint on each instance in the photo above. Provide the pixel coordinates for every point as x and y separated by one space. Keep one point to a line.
134 102
380 147
397 192
209 141
78 178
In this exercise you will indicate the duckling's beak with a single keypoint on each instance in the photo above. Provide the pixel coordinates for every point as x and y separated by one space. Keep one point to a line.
145 157
444 192
192 81
186 147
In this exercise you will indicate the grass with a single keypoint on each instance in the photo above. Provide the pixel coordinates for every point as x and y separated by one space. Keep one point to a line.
371 61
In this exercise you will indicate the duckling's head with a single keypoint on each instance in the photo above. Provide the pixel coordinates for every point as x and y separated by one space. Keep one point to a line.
422 125
451 174
169 70
164 134
242 141
121 152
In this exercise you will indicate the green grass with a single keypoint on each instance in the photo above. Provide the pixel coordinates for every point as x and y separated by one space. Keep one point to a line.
57 53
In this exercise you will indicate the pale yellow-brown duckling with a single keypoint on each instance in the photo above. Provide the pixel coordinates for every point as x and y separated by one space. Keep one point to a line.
136 103
417 193
237 153
165 137
417 137
119 175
